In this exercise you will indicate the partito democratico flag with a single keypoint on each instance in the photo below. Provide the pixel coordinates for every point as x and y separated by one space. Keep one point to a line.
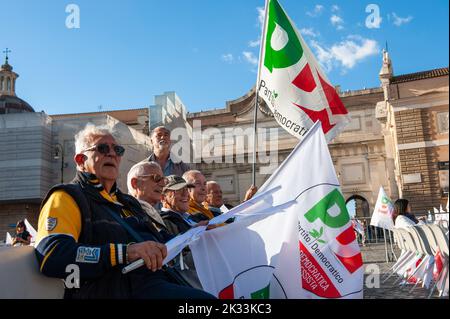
291 82
382 214
302 246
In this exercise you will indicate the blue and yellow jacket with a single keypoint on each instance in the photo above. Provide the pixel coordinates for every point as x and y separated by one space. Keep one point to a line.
76 227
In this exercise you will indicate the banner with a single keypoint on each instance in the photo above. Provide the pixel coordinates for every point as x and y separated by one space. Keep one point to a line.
307 249
9 239
291 81
382 214
31 230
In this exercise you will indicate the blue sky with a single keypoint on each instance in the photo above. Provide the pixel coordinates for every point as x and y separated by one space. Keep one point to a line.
125 52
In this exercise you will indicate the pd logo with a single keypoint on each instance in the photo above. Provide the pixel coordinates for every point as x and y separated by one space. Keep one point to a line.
247 285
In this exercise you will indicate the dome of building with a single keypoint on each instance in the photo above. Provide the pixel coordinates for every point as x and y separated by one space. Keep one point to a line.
9 102
13 104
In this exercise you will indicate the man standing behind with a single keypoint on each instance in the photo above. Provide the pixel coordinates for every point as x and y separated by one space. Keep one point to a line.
161 142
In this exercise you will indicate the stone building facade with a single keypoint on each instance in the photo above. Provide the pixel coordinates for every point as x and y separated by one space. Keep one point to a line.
414 116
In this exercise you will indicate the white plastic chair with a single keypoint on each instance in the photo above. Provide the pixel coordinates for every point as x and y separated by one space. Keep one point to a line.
423 248
442 241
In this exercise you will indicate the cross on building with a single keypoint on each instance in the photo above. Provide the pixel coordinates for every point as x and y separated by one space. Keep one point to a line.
6 54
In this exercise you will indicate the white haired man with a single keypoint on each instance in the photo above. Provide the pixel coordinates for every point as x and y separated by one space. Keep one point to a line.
160 138
90 223
145 181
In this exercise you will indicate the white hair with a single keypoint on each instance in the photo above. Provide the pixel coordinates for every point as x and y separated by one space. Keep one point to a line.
137 170
208 183
187 176
84 138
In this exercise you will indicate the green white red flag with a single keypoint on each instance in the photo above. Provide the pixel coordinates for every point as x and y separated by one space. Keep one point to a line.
382 214
296 242
291 81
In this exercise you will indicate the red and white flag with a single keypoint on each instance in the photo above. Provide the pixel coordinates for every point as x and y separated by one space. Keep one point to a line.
291 81
303 246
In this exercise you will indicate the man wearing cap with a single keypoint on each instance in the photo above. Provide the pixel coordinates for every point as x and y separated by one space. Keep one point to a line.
161 142
175 206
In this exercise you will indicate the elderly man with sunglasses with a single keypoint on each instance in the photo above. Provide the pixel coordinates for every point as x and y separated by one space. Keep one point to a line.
145 181
91 224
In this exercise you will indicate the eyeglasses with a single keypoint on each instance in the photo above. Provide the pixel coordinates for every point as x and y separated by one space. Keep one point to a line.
105 149
156 178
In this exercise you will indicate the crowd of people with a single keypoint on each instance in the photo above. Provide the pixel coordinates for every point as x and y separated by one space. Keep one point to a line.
90 222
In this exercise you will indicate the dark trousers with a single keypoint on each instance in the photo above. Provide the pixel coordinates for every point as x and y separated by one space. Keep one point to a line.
138 284
159 285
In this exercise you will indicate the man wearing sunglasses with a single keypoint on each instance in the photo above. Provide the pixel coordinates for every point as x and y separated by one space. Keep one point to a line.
91 224
161 143
145 182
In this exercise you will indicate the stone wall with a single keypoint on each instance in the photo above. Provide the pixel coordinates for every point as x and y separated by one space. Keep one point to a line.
419 166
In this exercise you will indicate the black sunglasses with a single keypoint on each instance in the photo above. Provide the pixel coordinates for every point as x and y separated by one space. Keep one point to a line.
104 149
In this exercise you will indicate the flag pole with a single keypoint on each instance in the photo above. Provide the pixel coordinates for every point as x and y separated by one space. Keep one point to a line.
255 115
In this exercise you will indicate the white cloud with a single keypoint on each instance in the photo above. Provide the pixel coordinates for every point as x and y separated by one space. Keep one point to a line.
318 9
334 8
254 44
398 21
250 58
347 53
309 32
337 22
261 16
228 57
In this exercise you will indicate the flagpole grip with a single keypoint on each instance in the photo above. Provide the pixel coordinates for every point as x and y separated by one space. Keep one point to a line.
134 265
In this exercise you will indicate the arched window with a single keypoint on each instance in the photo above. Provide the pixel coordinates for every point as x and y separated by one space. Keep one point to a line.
8 85
1 83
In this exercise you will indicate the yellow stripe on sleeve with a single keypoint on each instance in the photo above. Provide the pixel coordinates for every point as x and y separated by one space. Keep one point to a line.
60 215
113 254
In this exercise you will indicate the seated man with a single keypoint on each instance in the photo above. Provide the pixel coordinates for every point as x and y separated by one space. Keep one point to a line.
214 199
197 194
92 225
175 206
145 182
